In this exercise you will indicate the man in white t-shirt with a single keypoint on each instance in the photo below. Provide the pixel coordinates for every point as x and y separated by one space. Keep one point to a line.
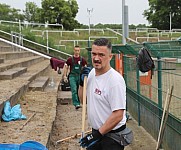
106 99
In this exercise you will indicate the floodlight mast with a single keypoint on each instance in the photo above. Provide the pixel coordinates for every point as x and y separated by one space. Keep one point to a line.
123 23
89 13
170 21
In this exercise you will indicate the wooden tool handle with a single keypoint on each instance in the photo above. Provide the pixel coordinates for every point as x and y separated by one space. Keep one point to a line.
84 106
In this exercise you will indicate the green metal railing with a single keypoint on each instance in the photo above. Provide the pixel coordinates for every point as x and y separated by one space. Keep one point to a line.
146 96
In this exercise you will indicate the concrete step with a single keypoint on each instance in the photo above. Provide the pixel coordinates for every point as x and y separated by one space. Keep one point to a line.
15 55
36 70
39 84
4 44
43 103
1 60
6 48
14 89
12 73
21 62
64 97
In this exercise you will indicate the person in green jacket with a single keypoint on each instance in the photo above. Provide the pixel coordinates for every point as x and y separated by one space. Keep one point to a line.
75 64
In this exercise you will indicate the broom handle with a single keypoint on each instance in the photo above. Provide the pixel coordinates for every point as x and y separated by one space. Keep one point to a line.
165 120
84 107
163 116
71 137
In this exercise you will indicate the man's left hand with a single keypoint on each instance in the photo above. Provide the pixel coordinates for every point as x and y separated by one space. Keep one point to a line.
85 72
90 139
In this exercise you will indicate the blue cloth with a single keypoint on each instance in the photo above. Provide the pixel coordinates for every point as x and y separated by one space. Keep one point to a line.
28 145
13 113
9 146
32 145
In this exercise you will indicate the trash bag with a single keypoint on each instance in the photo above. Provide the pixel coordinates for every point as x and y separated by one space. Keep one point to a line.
13 113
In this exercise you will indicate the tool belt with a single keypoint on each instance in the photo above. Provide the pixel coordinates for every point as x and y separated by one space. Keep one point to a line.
123 137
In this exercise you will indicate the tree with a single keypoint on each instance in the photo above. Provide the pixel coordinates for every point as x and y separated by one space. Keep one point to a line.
32 12
8 13
60 11
159 13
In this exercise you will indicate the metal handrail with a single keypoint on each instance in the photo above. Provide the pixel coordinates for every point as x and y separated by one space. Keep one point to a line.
49 48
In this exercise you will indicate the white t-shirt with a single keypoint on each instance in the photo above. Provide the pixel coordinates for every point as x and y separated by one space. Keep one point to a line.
105 94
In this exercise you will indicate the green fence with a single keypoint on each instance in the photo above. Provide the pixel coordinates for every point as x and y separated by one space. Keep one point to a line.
146 97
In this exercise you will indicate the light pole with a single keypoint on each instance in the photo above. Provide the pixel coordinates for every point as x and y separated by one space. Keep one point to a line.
89 12
123 23
170 21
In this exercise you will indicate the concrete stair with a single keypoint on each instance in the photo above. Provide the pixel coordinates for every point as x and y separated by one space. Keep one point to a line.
39 84
15 55
21 62
5 48
20 72
64 97
12 73
1 60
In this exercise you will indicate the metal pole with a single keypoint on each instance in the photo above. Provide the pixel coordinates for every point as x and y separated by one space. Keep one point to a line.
123 23
19 33
89 12
47 42
170 21
89 25
20 26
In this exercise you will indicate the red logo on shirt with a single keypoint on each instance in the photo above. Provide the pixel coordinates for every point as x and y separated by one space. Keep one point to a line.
97 91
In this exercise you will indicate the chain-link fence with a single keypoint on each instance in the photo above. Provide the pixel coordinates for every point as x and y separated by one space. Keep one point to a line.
146 93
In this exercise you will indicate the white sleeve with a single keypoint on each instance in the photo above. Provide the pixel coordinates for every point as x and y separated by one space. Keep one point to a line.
117 96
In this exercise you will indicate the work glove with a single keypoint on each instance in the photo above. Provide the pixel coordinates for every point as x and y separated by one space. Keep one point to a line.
90 139
85 72
65 79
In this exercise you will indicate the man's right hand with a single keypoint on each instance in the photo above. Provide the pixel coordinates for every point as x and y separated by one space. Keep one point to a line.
85 72
65 79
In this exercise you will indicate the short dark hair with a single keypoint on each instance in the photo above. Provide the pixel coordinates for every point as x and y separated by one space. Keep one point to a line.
76 46
103 42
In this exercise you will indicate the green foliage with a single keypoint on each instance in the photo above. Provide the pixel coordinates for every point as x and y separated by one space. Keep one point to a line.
32 12
61 11
112 26
159 13
29 35
9 28
118 26
8 13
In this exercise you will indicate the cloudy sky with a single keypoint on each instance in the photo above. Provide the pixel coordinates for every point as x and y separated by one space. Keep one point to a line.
104 11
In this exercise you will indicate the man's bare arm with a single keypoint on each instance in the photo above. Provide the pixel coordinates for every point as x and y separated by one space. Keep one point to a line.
112 121
65 70
80 93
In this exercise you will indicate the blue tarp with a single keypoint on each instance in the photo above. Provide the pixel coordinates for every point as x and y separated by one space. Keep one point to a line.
28 145
13 113
9 147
